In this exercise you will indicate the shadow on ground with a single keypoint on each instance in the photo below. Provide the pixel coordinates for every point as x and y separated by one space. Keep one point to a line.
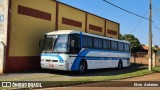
95 72
111 71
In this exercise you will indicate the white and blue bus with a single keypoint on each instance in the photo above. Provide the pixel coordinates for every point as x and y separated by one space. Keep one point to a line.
72 50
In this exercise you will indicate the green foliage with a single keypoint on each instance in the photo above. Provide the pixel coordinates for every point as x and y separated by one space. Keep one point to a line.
120 36
156 69
135 44
155 49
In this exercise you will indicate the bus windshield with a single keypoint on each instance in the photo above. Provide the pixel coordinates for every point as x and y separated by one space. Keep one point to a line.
56 44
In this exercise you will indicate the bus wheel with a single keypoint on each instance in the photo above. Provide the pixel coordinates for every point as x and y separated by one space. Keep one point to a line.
120 64
82 66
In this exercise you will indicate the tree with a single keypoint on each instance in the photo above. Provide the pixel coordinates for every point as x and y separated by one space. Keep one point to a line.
134 42
155 49
120 36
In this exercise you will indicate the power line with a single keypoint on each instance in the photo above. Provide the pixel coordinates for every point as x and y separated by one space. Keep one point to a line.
155 26
138 23
155 11
125 10
156 17
131 13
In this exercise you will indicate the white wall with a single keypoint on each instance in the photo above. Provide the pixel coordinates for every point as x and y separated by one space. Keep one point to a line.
3 29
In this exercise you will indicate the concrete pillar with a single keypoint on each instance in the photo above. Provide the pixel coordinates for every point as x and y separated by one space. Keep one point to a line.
154 59
3 32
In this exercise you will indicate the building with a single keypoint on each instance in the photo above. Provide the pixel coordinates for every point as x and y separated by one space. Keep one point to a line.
141 57
28 20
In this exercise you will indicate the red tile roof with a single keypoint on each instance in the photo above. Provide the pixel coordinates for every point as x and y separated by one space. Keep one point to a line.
145 47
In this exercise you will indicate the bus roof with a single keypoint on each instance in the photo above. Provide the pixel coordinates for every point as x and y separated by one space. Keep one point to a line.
88 34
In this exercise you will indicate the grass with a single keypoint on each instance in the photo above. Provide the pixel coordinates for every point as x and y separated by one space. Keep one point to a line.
112 77
156 69
117 77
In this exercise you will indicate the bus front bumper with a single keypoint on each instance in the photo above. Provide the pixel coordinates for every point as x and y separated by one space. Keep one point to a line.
55 66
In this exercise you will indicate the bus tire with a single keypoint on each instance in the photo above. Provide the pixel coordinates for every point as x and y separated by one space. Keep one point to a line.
82 66
120 64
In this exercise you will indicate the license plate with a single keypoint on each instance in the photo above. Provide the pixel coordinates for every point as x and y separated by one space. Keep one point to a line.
51 65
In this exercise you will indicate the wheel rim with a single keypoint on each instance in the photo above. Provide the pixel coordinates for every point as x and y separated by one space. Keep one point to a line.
82 68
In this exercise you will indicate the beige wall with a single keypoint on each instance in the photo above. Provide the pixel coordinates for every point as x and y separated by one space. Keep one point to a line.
112 26
80 16
72 14
97 21
26 31
31 19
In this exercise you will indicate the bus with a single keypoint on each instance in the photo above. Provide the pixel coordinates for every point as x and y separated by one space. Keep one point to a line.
72 50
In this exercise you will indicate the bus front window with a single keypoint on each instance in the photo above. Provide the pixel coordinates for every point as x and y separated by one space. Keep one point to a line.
48 44
56 44
61 44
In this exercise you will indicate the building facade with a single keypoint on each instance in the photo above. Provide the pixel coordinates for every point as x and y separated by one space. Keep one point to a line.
29 20
3 33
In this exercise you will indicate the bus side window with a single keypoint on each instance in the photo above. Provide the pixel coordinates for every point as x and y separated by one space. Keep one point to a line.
89 42
100 43
108 44
126 48
104 44
84 43
76 47
120 46
114 45
96 45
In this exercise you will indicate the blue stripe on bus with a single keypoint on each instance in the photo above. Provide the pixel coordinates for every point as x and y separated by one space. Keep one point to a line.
108 51
53 55
76 62
106 58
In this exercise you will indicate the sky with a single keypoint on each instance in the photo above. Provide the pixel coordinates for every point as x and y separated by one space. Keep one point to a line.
129 24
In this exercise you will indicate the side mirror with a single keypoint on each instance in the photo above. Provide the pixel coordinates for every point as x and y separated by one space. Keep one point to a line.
3 43
41 43
72 43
